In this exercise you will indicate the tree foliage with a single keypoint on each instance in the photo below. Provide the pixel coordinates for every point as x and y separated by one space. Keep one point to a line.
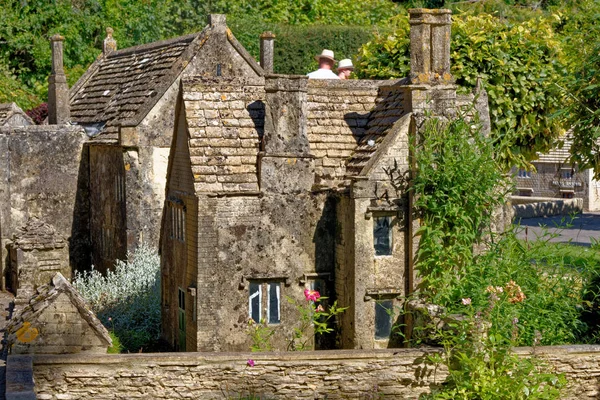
27 26
519 64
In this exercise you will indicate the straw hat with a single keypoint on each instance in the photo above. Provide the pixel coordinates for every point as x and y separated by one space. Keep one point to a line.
346 63
326 54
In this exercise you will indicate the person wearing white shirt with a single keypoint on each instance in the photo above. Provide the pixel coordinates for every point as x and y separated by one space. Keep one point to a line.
326 63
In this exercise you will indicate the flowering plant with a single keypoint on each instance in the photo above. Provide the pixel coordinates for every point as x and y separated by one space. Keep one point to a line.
477 354
313 315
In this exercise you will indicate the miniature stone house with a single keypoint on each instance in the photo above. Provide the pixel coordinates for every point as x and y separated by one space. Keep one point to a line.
56 320
12 115
279 183
43 174
126 103
556 177
37 253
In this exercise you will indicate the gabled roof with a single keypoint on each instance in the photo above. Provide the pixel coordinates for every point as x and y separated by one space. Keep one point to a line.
557 155
389 109
45 296
122 87
12 115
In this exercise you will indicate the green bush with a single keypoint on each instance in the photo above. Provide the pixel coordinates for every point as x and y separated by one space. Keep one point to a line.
519 65
127 300
296 46
456 188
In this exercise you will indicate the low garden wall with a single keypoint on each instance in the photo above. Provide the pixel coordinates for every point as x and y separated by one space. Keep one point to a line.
344 374
533 207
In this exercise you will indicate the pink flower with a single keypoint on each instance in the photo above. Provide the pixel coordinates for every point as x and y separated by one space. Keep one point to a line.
311 295
467 301
109 319
250 363
320 308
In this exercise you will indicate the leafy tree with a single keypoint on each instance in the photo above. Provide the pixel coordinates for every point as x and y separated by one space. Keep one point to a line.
581 87
518 63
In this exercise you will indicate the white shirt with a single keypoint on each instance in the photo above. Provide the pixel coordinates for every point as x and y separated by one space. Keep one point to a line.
322 74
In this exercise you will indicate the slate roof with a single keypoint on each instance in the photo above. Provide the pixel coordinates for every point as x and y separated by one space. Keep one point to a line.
44 297
225 121
123 86
389 108
557 155
10 110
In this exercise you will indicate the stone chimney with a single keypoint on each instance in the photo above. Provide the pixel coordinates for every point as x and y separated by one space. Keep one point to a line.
217 21
109 44
267 48
58 90
286 165
430 45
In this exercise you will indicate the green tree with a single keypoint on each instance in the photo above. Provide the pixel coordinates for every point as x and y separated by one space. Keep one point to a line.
519 64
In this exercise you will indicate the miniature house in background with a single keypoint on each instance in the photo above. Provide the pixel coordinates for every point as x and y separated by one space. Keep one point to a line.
56 320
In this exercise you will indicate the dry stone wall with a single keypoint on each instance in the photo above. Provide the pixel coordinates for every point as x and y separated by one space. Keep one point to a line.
351 374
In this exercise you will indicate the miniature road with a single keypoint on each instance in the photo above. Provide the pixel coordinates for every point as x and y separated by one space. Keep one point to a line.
582 230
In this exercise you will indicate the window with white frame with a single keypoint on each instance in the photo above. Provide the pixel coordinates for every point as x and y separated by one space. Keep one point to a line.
523 173
264 298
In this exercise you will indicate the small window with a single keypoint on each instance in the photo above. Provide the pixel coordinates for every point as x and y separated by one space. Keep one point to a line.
255 301
382 236
273 305
566 173
524 173
177 216
567 195
270 304
383 319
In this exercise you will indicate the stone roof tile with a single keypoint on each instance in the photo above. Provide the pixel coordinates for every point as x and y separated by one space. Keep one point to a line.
44 297
225 119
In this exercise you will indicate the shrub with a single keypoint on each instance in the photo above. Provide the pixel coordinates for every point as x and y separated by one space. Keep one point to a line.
128 298
519 65
296 46
456 189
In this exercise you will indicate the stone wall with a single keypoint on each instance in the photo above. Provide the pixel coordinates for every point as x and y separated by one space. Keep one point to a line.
532 207
352 374
43 174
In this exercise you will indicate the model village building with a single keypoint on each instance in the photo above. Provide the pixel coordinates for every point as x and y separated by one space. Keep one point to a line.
253 186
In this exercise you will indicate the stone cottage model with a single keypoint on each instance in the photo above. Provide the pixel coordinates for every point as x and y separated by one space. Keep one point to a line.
56 320
555 178
126 103
12 115
37 253
278 183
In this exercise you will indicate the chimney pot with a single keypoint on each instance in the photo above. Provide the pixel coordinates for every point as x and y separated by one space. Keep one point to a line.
267 50
430 45
217 20
58 89
110 44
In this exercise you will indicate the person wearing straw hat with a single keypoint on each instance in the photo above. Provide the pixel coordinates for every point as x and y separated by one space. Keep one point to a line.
345 68
326 63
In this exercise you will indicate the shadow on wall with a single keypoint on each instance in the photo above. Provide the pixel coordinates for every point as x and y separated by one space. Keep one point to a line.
324 239
256 110
79 241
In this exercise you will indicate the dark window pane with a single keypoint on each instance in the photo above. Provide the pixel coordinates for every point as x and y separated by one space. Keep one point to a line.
181 299
383 319
382 236
274 297
254 301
